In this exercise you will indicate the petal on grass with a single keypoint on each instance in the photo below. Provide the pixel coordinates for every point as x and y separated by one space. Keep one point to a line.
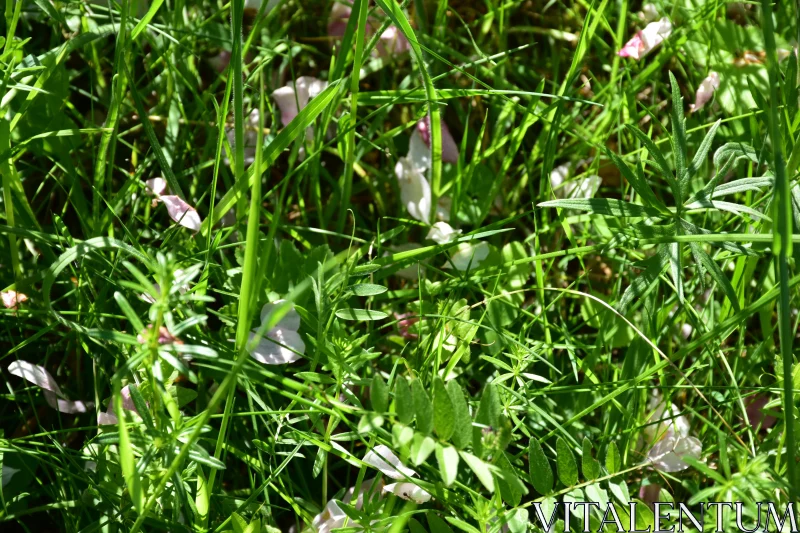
182 213
415 191
156 186
442 233
468 256
408 491
705 91
291 320
382 458
35 374
278 347
12 299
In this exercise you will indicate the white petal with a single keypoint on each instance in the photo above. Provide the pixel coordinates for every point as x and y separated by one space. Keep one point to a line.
291 320
442 233
382 458
583 187
668 454
287 103
415 191
313 86
449 146
392 42
65 406
156 186
35 374
181 212
649 13
419 153
408 491
705 91
558 176
269 352
107 419
654 33
468 256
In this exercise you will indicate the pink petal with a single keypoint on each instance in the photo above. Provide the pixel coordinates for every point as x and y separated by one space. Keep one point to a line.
449 146
12 299
392 42
156 186
632 48
66 406
35 374
292 98
182 213
337 21
705 91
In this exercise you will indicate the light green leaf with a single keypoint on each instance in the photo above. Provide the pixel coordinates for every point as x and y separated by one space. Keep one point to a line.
360 314
604 206
613 460
481 469
379 394
447 456
421 448
444 421
567 468
367 289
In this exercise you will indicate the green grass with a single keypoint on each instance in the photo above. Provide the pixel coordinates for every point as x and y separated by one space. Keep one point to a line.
526 376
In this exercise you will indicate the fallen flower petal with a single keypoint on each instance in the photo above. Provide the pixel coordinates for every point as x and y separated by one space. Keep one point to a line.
40 377
337 20
449 146
392 42
705 91
279 346
12 299
156 186
408 491
291 320
442 233
415 191
647 39
182 213
291 99
109 417
667 455
382 458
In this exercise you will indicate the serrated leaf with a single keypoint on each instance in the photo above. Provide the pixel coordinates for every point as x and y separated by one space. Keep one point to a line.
367 289
539 468
604 206
360 314
423 408
444 421
379 394
462 434
613 460
447 457
403 401
481 469
567 467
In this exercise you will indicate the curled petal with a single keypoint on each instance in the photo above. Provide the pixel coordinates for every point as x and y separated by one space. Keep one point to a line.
182 213
156 186
583 187
279 347
442 233
35 374
705 91
291 99
337 20
408 491
468 256
382 458
415 191
12 299
290 321
419 152
65 406
646 40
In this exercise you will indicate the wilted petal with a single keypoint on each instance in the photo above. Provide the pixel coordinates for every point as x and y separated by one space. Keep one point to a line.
110 417
468 256
705 91
65 406
442 233
156 186
449 146
667 455
408 491
290 321
181 212
668 416
35 374
12 299
415 191
270 352
649 13
646 40
382 458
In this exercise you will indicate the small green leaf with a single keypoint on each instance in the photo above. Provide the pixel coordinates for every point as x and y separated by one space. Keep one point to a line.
567 467
511 488
613 461
462 434
447 456
590 466
127 459
488 414
360 314
604 206
422 407
481 469
367 289
444 421
379 394
421 448
437 525
403 401
539 467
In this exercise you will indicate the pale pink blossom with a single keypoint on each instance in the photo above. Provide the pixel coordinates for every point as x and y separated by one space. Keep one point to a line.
442 233
705 91
110 417
415 191
382 458
337 20
156 186
182 213
647 39
670 437
449 146
40 377
392 42
292 98
12 299
404 323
